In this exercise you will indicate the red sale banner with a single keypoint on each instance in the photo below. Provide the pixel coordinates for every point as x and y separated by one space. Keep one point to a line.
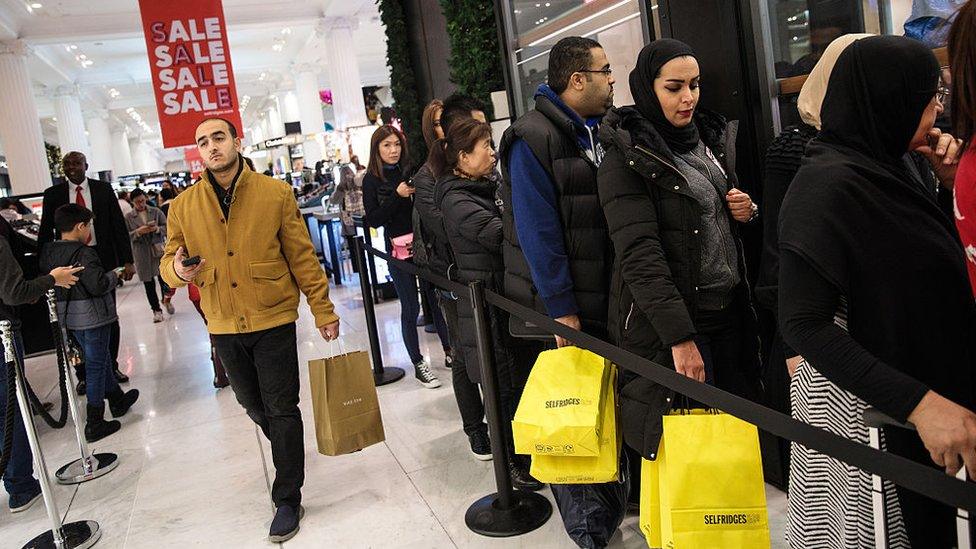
189 59
194 160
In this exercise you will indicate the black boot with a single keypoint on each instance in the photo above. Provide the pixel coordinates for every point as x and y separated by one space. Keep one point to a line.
96 428
119 376
119 402
521 479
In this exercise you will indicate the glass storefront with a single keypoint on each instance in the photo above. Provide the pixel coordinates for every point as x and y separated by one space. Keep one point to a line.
801 29
535 26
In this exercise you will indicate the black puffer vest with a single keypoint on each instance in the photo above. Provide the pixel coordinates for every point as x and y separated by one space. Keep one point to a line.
551 136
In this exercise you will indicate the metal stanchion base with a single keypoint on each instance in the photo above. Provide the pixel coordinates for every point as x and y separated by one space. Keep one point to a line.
389 375
77 535
74 472
530 511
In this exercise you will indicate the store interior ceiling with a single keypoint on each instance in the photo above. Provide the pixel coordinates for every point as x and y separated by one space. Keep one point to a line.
98 45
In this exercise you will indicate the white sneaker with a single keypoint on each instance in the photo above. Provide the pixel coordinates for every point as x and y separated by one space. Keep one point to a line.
157 317
424 375
169 307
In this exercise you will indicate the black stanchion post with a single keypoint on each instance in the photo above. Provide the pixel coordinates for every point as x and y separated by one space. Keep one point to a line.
507 512
74 535
381 375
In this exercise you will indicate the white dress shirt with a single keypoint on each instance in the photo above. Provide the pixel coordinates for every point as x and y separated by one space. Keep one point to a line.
85 192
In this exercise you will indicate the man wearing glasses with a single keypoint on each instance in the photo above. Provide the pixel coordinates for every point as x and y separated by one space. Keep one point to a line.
557 248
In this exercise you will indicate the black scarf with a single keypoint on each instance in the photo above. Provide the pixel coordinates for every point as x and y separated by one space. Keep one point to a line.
855 215
649 63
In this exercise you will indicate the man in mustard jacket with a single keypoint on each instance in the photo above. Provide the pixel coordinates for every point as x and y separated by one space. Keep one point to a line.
254 255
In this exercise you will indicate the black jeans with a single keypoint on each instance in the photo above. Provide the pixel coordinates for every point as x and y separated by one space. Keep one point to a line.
466 392
151 292
263 371
429 293
721 340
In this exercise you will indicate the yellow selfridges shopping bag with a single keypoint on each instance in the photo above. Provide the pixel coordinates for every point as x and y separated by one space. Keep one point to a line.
705 489
586 470
559 412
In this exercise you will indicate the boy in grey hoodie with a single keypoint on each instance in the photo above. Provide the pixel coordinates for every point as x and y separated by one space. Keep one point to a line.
88 311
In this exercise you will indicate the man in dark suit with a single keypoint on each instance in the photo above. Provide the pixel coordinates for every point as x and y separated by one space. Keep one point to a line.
110 235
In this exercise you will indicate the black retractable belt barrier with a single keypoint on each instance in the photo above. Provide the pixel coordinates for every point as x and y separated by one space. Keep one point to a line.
75 535
928 481
381 375
507 512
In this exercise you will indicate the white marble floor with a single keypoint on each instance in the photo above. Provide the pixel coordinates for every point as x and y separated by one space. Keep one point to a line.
194 471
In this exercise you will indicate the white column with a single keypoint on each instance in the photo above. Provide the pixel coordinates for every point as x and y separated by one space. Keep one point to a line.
144 157
290 110
277 127
343 71
20 126
100 139
310 111
121 154
71 123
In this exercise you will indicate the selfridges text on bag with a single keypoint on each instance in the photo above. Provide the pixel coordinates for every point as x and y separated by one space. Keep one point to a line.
705 488
561 469
344 401
559 412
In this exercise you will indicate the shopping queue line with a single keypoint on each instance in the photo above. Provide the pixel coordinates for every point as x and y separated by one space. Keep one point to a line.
193 465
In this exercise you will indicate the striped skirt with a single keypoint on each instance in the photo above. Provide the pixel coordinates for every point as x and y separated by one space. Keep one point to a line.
830 501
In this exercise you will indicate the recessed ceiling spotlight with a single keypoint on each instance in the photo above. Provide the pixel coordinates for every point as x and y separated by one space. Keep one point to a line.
55 118
72 46
286 30
36 5
82 56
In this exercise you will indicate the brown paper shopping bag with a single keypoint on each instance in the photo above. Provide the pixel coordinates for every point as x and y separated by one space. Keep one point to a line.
347 411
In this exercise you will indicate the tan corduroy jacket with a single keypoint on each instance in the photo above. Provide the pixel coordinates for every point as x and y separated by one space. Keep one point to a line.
256 260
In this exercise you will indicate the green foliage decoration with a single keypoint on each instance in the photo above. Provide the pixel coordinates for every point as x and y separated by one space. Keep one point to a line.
403 81
476 63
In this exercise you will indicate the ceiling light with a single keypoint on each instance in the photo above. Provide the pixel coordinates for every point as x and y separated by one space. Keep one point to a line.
72 46
55 118
36 5
286 30
82 56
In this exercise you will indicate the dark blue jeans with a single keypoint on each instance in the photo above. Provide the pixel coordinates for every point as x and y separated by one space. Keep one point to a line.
19 477
96 346
406 289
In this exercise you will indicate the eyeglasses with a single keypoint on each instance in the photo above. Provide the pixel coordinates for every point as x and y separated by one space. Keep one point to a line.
605 71
943 92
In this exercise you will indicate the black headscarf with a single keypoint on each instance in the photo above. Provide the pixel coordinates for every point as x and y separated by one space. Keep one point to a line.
855 216
876 95
649 63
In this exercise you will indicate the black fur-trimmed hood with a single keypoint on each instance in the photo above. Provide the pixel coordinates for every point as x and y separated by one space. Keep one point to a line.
626 127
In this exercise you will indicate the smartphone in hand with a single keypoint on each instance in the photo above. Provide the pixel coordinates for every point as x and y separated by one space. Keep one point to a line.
191 261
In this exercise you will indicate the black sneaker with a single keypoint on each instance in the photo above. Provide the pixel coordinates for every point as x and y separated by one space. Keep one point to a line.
480 446
521 479
448 359
425 375
81 388
286 523
21 502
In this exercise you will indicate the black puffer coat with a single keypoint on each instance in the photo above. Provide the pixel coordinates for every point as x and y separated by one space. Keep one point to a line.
654 222
473 223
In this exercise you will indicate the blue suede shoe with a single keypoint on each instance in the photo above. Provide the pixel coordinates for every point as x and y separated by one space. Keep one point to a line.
286 523
22 502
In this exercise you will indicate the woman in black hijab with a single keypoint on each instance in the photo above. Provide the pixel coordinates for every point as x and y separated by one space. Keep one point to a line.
859 232
668 188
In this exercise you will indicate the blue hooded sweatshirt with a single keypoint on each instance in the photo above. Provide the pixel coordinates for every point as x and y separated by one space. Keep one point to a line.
536 210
